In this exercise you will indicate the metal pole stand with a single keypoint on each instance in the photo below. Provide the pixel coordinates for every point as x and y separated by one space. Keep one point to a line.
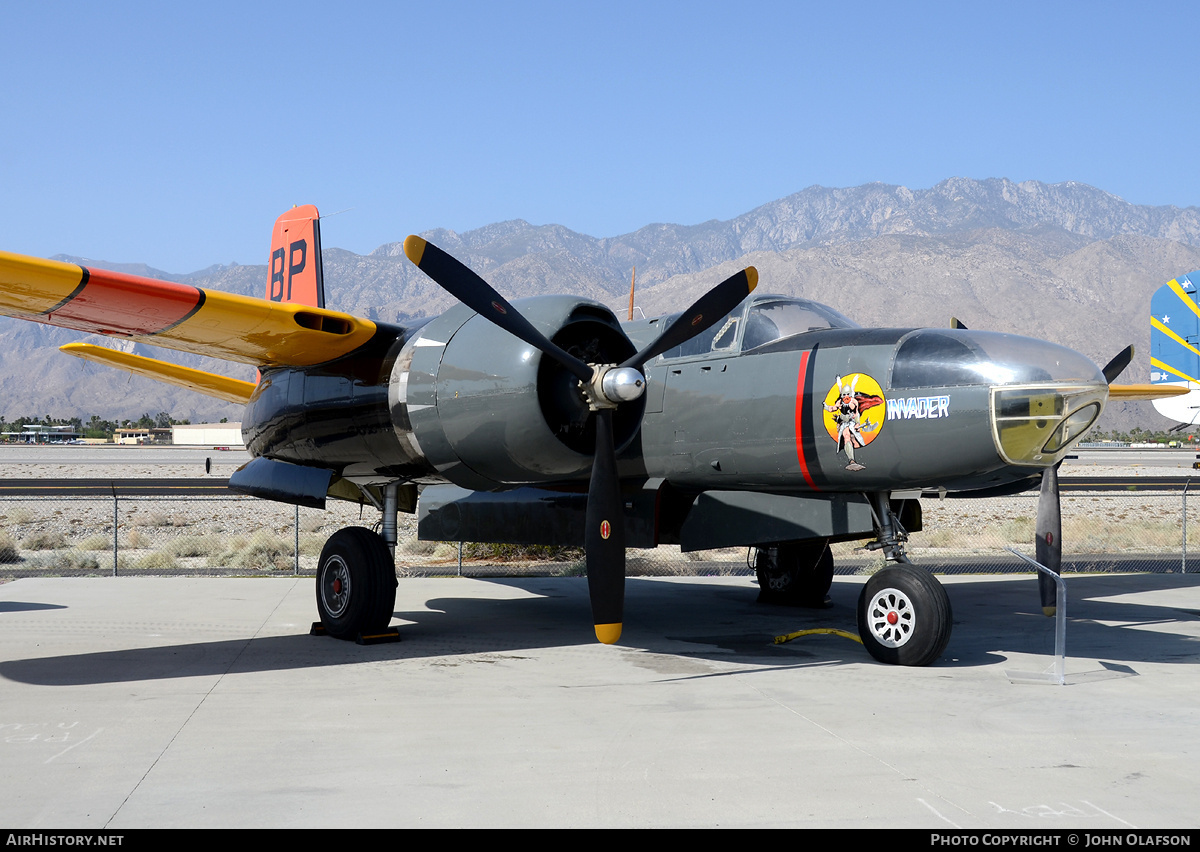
1059 675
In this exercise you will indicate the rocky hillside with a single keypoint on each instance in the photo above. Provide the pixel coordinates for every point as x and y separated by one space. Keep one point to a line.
1065 262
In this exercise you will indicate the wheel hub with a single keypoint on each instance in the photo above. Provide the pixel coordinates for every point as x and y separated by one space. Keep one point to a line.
335 586
890 618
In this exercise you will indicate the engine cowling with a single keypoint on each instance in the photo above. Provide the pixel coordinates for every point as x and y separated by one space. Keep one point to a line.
488 411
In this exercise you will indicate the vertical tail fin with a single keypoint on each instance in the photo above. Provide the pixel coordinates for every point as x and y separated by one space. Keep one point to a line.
1175 346
295 268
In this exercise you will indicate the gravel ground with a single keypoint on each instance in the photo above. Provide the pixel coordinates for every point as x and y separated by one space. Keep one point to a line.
164 536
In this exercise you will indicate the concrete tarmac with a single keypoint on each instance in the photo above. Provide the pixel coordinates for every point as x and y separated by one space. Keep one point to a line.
183 702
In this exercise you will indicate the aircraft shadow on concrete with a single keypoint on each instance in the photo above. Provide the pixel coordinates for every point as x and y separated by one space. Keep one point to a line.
714 622
27 606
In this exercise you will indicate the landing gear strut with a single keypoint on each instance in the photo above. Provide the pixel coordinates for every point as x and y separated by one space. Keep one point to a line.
904 615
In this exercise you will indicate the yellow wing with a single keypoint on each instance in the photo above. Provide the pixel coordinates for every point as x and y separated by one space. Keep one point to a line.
1129 393
209 384
177 316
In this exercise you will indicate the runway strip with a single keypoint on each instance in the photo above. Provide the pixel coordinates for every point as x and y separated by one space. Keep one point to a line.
141 487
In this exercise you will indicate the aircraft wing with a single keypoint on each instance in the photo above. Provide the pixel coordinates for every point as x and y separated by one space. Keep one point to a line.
177 316
210 384
1129 393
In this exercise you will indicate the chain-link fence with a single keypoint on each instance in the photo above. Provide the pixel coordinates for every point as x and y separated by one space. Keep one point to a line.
229 536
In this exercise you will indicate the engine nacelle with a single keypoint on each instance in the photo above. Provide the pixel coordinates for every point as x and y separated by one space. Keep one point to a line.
489 411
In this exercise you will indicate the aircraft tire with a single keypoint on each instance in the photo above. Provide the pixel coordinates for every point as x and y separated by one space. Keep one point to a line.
356 583
904 616
799 573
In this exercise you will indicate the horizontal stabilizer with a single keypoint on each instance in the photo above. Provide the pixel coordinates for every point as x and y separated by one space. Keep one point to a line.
178 316
210 384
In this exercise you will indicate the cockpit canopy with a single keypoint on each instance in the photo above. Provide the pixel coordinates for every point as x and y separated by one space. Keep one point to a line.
760 320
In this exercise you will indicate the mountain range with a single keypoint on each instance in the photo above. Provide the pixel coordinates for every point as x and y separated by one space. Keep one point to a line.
1066 262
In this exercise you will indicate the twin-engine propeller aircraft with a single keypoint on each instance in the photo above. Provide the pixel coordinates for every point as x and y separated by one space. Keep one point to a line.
746 420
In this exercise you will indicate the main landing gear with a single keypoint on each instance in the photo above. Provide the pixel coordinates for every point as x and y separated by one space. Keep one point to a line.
356 584
794 573
904 615
356 578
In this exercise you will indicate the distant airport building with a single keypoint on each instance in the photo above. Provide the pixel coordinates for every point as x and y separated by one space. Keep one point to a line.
208 435
138 435
36 433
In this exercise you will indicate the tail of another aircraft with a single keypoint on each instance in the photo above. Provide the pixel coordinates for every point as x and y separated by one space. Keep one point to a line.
1175 346
295 268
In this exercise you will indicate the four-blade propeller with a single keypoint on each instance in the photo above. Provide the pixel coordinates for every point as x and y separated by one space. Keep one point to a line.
604 387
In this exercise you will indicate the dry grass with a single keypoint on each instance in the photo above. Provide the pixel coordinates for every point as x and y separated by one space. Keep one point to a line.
72 561
262 551
8 549
191 546
244 535
96 542
45 541
157 561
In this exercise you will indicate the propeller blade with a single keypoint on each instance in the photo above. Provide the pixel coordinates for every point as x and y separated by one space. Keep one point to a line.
1118 364
955 322
1048 538
702 315
461 282
604 540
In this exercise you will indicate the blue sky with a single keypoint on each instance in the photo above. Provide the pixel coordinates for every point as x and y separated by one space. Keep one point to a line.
175 135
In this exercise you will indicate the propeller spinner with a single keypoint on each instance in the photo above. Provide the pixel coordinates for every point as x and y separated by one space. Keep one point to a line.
605 387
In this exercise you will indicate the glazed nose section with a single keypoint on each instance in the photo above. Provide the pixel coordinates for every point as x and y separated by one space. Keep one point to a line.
1035 421
1037 425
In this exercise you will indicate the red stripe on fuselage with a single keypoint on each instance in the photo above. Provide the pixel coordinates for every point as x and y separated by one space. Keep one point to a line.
800 381
125 304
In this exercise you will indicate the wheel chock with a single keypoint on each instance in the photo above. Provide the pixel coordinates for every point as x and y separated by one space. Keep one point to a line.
388 634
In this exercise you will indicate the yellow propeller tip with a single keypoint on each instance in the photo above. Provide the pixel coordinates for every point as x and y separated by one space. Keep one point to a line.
414 247
1049 611
608 633
752 277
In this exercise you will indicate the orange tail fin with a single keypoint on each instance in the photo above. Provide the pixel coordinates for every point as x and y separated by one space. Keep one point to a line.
295 267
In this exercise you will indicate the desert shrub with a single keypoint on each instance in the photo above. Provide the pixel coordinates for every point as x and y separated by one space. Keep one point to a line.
72 560
135 540
520 552
311 545
45 541
415 547
194 545
8 549
262 551
161 519
96 542
573 569
1017 530
157 561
